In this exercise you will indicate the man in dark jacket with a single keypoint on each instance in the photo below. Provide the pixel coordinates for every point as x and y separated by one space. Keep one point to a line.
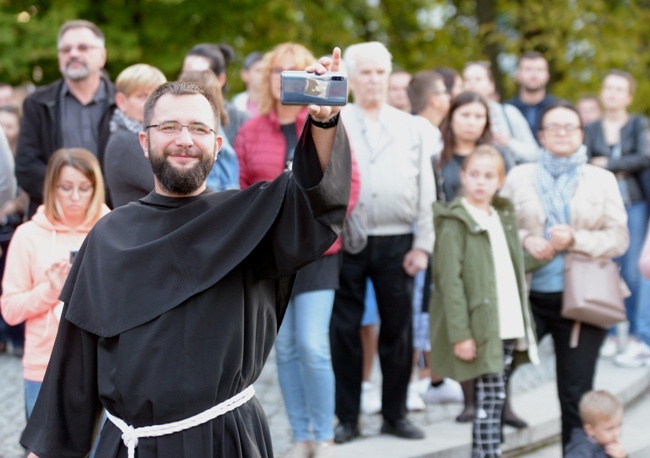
532 77
74 111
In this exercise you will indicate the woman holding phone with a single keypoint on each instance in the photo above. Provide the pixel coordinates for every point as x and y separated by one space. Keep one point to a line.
39 255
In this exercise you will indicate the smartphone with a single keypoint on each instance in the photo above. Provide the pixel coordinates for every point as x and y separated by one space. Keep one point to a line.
73 254
303 88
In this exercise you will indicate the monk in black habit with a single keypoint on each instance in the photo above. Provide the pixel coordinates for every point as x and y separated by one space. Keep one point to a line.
174 302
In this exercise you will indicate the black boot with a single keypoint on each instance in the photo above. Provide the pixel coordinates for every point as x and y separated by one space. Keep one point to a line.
467 415
509 417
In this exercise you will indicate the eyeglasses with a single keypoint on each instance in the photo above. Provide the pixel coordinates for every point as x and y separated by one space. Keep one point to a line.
557 128
173 127
68 190
81 47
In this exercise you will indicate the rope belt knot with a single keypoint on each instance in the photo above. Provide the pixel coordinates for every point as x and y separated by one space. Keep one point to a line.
130 435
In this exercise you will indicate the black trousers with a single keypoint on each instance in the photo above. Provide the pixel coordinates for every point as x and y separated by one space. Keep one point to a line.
381 260
575 367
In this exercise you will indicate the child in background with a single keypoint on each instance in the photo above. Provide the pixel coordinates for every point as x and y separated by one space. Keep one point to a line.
479 311
602 416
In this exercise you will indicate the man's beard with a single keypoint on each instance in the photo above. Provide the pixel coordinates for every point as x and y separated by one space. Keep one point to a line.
537 88
77 74
180 181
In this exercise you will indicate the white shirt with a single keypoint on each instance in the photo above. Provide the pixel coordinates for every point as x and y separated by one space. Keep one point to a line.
511 319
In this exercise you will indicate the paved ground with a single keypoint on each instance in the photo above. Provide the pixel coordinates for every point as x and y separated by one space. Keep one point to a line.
12 411
528 381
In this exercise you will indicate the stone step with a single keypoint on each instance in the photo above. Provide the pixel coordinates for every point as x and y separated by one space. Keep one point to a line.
635 435
539 406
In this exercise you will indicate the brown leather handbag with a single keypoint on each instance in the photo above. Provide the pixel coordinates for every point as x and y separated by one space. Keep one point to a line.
593 292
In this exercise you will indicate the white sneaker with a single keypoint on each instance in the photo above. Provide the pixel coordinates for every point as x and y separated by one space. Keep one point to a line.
610 347
637 354
414 401
449 391
323 450
299 450
370 399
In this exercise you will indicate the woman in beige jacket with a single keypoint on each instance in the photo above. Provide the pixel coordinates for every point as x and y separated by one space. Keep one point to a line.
564 204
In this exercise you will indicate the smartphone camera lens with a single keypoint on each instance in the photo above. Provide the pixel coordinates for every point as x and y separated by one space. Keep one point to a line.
337 78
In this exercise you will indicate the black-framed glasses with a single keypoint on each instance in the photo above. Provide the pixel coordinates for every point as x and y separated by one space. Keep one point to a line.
81 47
557 128
173 127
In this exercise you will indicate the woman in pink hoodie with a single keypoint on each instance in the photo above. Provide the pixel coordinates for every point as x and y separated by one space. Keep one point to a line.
40 255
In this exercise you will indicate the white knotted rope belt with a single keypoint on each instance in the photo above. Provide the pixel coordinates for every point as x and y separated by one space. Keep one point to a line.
130 435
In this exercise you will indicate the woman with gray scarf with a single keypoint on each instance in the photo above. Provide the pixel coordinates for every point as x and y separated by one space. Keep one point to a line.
566 205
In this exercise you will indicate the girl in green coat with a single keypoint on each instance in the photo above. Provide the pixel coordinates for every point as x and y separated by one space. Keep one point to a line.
479 311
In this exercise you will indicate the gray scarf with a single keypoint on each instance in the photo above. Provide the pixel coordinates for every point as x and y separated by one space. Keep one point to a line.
119 119
556 181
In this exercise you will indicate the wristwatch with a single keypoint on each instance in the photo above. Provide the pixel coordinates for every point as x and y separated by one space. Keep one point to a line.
332 122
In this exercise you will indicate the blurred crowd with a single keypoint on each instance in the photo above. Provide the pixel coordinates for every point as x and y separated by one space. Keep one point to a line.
409 280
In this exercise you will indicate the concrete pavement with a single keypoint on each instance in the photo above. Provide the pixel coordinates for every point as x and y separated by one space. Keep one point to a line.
534 398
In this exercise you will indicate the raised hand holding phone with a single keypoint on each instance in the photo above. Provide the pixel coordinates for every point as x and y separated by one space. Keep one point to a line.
323 113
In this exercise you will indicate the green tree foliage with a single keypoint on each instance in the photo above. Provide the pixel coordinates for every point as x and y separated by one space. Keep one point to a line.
582 40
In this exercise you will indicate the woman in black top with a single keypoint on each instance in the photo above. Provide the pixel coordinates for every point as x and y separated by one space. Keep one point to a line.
619 143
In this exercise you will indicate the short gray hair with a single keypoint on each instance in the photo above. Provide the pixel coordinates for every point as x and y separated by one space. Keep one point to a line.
373 49
81 24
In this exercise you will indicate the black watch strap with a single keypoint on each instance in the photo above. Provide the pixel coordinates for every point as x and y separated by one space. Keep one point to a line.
333 122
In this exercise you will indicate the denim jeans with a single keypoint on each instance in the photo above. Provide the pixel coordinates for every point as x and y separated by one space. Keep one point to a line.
370 313
305 365
31 393
637 224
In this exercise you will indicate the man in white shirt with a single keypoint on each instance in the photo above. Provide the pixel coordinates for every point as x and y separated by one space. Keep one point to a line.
393 150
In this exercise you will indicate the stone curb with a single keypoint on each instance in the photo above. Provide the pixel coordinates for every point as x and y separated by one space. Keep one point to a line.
539 406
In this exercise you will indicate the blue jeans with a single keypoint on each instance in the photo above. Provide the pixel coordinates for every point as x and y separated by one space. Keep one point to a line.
305 365
642 321
637 224
31 393
370 312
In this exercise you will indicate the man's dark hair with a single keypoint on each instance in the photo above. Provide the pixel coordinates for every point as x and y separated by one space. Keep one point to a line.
80 24
178 88
421 87
531 55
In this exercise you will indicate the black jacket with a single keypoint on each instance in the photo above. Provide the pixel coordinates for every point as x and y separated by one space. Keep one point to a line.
127 172
538 108
581 446
41 135
635 156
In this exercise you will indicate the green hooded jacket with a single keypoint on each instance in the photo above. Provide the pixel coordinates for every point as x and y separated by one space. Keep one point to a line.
464 300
